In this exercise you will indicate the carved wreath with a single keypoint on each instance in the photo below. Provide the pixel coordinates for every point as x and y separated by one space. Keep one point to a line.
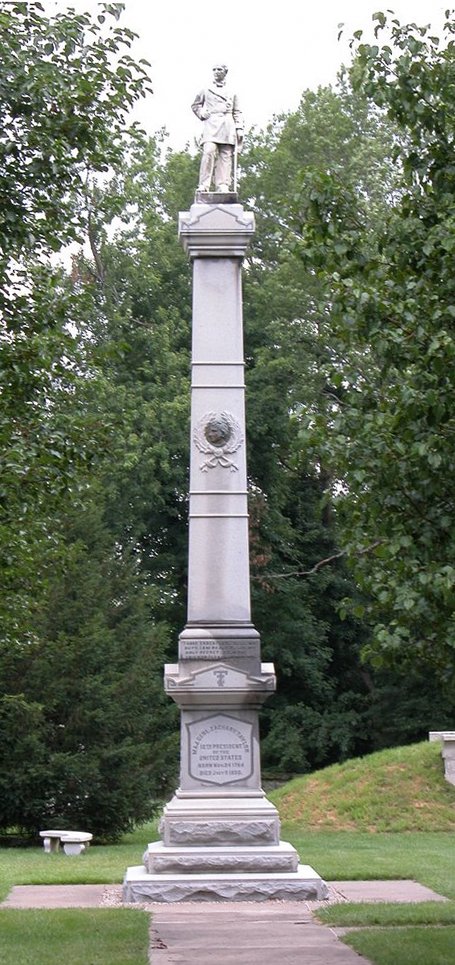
218 435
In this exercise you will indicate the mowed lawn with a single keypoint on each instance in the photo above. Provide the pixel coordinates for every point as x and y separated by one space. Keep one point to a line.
344 821
74 936
393 816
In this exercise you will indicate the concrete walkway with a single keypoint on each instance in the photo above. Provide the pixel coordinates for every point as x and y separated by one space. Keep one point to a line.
55 896
245 933
233 933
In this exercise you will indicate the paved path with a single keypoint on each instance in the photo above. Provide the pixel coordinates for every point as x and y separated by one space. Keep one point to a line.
409 891
55 896
233 933
244 933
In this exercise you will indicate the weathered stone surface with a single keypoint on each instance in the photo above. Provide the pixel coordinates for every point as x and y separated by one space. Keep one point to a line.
220 746
237 646
194 860
187 863
216 231
219 686
302 885
222 832
212 648
227 817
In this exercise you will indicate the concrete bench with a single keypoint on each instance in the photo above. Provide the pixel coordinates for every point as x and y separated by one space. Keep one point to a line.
74 842
447 738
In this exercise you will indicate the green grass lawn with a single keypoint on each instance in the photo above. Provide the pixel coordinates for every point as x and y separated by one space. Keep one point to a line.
390 815
405 946
399 789
425 857
74 936
354 914
342 855
100 864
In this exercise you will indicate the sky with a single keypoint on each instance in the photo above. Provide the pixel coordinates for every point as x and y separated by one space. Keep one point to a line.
274 51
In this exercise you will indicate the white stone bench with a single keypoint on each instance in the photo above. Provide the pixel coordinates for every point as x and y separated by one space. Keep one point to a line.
74 842
447 738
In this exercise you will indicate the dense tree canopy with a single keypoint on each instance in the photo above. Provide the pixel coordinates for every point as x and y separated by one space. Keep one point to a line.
67 84
388 293
80 659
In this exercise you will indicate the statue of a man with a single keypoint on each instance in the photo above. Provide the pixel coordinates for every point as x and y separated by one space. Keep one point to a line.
222 134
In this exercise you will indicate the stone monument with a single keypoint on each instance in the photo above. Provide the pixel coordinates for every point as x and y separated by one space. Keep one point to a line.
222 133
220 836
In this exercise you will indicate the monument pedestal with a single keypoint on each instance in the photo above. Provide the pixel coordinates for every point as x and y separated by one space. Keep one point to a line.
304 885
220 834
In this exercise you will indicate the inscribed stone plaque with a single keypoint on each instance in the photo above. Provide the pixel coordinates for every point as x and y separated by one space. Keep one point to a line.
217 649
220 749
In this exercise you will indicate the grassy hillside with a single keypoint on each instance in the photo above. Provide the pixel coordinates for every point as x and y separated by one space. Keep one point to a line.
402 789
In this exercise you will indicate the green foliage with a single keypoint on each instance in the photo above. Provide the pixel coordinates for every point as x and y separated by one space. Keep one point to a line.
321 712
143 346
344 412
112 738
80 658
388 291
67 84
46 443
97 743
24 758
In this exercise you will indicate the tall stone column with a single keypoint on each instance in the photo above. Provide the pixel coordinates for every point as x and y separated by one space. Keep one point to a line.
220 834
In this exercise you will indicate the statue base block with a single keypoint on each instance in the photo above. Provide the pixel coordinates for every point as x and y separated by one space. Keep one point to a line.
216 197
302 885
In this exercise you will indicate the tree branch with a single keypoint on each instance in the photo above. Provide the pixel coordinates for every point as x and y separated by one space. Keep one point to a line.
317 566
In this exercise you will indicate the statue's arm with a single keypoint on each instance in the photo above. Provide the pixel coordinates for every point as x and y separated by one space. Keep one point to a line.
198 106
237 114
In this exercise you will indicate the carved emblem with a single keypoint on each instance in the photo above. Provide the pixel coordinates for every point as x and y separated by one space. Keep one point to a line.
218 435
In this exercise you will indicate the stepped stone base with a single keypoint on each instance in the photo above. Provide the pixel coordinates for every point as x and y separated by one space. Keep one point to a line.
196 860
215 822
303 885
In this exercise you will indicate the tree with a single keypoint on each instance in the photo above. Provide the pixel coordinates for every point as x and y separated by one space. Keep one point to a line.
389 294
143 345
335 156
67 84
108 735
75 609
320 712
90 739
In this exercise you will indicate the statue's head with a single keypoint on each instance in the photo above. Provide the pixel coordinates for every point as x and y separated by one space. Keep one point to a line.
219 72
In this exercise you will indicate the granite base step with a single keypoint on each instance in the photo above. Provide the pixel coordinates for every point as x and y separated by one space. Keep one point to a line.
303 884
159 859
